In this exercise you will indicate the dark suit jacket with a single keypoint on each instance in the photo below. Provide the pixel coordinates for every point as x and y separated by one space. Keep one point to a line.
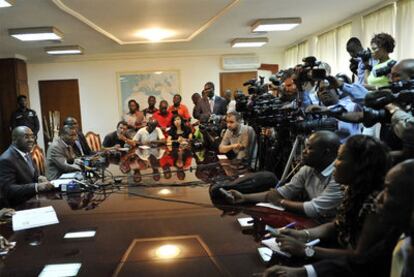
58 160
84 144
203 107
17 183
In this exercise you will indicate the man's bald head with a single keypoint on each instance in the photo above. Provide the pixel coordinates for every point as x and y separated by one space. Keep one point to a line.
321 149
152 124
328 140
68 134
23 138
403 70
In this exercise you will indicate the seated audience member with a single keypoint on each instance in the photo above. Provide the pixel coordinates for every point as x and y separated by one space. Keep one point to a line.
119 137
151 134
81 146
60 155
360 167
179 109
134 117
163 116
236 140
179 132
19 177
314 180
149 112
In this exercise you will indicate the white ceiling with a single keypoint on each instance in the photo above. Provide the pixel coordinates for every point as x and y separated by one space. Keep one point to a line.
108 27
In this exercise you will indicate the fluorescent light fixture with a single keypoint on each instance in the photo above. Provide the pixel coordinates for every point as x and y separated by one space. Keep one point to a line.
36 34
60 270
64 50
80 234
276 24
155 34
249 42
6 3
168 251
164 192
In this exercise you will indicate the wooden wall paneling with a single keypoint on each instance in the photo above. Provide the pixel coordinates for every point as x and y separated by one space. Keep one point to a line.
235 80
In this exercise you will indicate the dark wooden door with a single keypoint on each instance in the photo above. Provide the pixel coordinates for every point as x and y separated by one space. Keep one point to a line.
62 96
235 80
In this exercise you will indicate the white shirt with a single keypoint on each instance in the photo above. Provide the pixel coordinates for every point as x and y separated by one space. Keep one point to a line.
143 136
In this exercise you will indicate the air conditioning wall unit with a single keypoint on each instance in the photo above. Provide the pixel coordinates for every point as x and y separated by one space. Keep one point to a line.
237 62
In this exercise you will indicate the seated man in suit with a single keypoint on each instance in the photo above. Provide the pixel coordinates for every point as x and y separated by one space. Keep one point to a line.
19 178
314 180
151 134
60 155
119 137
81 146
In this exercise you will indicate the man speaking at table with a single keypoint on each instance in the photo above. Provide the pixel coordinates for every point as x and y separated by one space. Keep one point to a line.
19 178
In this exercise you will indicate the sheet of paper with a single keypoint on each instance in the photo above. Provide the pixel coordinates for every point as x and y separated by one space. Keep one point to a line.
124 149
271 206
265 253
56 183
222 157
144 147
245 222
33 218
272 244
70 175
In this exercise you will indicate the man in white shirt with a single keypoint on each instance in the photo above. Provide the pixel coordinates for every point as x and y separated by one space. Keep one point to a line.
151 134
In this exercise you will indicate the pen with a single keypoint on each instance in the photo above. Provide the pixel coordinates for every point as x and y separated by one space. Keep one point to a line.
275 232
313 243
288 225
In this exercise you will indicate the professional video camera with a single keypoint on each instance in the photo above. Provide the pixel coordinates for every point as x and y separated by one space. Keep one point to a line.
385 70
256 87
401 93
364 54
212 125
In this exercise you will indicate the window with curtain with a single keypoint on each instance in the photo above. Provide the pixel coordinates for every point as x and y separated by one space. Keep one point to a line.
344 33
326 47
380 21
404 29
291 56
303 51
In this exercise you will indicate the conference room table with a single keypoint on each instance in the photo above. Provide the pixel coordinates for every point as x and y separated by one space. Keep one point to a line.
153 216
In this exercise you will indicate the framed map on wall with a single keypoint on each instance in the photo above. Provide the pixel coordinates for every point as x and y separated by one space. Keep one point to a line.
139 85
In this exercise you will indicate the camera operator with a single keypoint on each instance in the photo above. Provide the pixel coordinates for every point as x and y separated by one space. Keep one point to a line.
355 91
359 57
328 94
401 119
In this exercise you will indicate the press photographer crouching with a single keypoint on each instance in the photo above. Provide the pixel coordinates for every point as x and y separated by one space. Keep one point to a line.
314 180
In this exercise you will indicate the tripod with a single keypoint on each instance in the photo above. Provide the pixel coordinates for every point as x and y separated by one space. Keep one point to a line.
292 163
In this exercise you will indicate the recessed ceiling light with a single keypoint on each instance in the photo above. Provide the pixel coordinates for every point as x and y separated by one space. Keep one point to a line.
276 24
167 251
6 3
64 50
36 34
249 42
155 34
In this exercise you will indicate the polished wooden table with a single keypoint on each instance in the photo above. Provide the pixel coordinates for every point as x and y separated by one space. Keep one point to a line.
134 220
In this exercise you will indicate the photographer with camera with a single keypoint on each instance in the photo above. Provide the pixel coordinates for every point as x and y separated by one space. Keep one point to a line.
359 58
329 96
401 119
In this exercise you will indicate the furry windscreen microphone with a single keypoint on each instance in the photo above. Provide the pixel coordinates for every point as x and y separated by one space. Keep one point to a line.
249 183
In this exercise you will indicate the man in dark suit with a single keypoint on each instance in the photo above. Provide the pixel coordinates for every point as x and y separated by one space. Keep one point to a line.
210 103
19 178
80 146
60 155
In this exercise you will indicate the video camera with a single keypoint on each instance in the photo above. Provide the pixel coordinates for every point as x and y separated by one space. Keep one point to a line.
364 54
309 71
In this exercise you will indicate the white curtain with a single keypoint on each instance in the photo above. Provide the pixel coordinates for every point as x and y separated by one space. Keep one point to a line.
291 57
379 21
343 33
405 29
326 48
303 51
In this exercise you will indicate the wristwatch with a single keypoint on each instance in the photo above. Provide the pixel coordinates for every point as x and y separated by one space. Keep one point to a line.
309 251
